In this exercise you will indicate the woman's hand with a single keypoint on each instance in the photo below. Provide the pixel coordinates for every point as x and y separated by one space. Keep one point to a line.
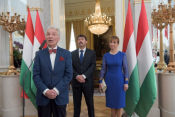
125 87
101 87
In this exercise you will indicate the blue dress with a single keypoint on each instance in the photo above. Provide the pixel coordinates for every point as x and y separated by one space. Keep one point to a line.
115 71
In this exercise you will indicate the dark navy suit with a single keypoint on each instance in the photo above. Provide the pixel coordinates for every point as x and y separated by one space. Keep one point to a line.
87 67
44 77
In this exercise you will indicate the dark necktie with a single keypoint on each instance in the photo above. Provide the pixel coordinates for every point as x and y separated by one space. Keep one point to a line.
52 50
81 56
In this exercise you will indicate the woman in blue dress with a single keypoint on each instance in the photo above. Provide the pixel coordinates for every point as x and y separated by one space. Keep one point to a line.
115 72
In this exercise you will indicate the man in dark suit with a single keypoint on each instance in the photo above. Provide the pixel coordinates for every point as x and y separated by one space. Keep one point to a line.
84 63
52 73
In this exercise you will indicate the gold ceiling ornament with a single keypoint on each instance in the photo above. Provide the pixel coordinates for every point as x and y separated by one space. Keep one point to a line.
160 19
11 24
97 22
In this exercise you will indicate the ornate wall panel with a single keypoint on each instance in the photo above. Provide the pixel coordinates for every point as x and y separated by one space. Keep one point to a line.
81 9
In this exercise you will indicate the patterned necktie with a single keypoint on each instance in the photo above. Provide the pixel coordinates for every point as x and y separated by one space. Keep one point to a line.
81 56
52 50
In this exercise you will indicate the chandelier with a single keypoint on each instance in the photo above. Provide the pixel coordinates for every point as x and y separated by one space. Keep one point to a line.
97 22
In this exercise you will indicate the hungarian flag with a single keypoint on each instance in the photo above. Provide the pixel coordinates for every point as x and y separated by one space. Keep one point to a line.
133 93
23 94
148 88
38 40
25 75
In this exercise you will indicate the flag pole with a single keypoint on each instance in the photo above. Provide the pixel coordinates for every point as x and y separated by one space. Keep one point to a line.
40 48
25 74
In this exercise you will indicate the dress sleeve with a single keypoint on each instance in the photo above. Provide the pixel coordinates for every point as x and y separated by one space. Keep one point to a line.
103 69
125 68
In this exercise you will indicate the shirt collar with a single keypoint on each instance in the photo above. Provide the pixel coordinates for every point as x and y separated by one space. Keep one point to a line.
83 49
53 48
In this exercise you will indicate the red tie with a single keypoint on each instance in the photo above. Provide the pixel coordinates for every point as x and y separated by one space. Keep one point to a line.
52 50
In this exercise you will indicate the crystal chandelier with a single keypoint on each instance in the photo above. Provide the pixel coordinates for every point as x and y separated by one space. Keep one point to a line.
97 22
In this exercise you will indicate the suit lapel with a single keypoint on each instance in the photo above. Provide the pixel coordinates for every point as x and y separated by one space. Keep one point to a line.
77 56
48 59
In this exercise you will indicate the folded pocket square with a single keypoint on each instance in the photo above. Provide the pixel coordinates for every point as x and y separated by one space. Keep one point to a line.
61 58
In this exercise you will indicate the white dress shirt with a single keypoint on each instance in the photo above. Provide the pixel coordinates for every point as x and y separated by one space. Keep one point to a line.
84 50
52 59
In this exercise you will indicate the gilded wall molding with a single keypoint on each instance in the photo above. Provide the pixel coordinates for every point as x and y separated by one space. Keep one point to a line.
139 1
81 11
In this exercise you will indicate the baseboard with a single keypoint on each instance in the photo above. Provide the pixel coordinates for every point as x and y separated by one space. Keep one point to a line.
31 116
27 116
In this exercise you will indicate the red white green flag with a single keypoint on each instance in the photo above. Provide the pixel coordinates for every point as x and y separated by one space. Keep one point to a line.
148 88
38 40
133 93
25 75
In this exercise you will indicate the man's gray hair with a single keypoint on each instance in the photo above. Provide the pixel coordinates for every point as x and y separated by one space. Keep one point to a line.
54 27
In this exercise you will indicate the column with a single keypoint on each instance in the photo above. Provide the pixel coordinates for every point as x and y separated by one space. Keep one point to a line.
4 50
58 19
4 42
120 20
167 94
0 96
11 104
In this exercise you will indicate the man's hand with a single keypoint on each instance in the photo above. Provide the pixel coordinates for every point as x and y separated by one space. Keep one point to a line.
80 79
51 94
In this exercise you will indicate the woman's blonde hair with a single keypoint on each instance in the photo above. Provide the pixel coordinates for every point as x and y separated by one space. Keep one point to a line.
114 38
